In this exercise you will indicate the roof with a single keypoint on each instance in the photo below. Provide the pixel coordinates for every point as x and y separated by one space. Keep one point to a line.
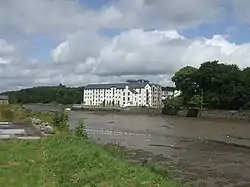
131 85
4 97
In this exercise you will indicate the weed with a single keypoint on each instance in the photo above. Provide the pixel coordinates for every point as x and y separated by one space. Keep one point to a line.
80 129
60 120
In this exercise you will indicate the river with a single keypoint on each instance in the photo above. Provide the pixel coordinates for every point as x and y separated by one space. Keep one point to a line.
200 152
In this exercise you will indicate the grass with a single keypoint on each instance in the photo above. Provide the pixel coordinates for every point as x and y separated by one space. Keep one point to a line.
17 113
70 161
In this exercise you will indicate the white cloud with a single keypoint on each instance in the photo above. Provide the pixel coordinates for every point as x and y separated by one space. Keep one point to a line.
6 52
78 47
150 46
140 52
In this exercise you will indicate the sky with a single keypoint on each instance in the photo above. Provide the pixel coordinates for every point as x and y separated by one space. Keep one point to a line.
78 42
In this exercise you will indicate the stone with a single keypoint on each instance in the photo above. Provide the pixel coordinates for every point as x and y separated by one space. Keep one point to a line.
48 129
42 127
36 121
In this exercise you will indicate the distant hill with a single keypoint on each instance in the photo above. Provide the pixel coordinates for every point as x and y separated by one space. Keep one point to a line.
48 94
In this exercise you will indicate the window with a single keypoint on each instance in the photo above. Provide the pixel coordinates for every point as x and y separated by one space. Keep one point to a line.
128 98
128 93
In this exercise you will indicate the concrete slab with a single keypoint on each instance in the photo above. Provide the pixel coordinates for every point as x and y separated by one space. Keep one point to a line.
4 136
29 138
4 123
12 131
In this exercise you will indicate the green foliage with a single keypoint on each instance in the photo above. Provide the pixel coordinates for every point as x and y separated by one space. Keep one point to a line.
196 102
54 94
221 86
6 113
17 113
60 120
173 102
80 129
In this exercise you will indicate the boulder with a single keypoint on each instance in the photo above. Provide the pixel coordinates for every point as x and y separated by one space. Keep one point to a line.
42 127
48 129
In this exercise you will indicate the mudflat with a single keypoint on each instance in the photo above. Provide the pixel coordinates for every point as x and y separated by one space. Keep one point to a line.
199 152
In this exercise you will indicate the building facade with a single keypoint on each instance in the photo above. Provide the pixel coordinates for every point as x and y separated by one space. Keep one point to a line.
134 93
169 92
4 99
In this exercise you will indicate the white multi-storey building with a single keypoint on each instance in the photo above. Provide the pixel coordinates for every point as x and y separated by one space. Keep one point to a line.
133 93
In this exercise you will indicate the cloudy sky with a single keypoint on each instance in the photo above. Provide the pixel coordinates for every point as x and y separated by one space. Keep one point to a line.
76 42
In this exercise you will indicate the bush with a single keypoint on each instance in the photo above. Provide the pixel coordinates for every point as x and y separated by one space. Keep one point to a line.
196 102
6 113
80 129
173 102
61 120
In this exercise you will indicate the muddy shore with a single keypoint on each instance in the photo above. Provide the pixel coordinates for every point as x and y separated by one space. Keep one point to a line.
200 152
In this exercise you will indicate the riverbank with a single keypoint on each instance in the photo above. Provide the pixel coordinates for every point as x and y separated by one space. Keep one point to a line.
125 110
67 160
19 114
220 114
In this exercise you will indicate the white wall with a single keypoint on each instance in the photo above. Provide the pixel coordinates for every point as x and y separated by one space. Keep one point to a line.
123 96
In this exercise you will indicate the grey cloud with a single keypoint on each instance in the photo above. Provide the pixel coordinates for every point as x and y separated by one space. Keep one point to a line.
46 16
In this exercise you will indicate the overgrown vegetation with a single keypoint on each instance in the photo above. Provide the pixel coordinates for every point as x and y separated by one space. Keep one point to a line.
80 129
68 160
60 120
173 102
50 94
17 113
214 85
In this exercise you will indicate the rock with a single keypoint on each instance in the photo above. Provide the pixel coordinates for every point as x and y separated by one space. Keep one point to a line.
42 127
48 129
36 121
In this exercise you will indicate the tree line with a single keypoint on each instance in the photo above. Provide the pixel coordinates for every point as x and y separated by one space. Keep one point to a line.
48 94
214 85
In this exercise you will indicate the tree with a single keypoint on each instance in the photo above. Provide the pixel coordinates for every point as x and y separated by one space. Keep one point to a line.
221 84
173 102
184 81
54 94
218 85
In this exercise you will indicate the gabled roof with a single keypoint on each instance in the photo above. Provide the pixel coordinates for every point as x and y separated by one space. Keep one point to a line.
4 97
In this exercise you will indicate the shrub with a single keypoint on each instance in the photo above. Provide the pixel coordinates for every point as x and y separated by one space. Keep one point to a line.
80 129
196 102
61 120
6 113
173 102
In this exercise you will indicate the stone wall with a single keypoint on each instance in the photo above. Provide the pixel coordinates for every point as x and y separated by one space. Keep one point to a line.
131 110
220 114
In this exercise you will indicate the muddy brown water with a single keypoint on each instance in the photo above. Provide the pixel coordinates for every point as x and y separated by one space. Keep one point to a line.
199 152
